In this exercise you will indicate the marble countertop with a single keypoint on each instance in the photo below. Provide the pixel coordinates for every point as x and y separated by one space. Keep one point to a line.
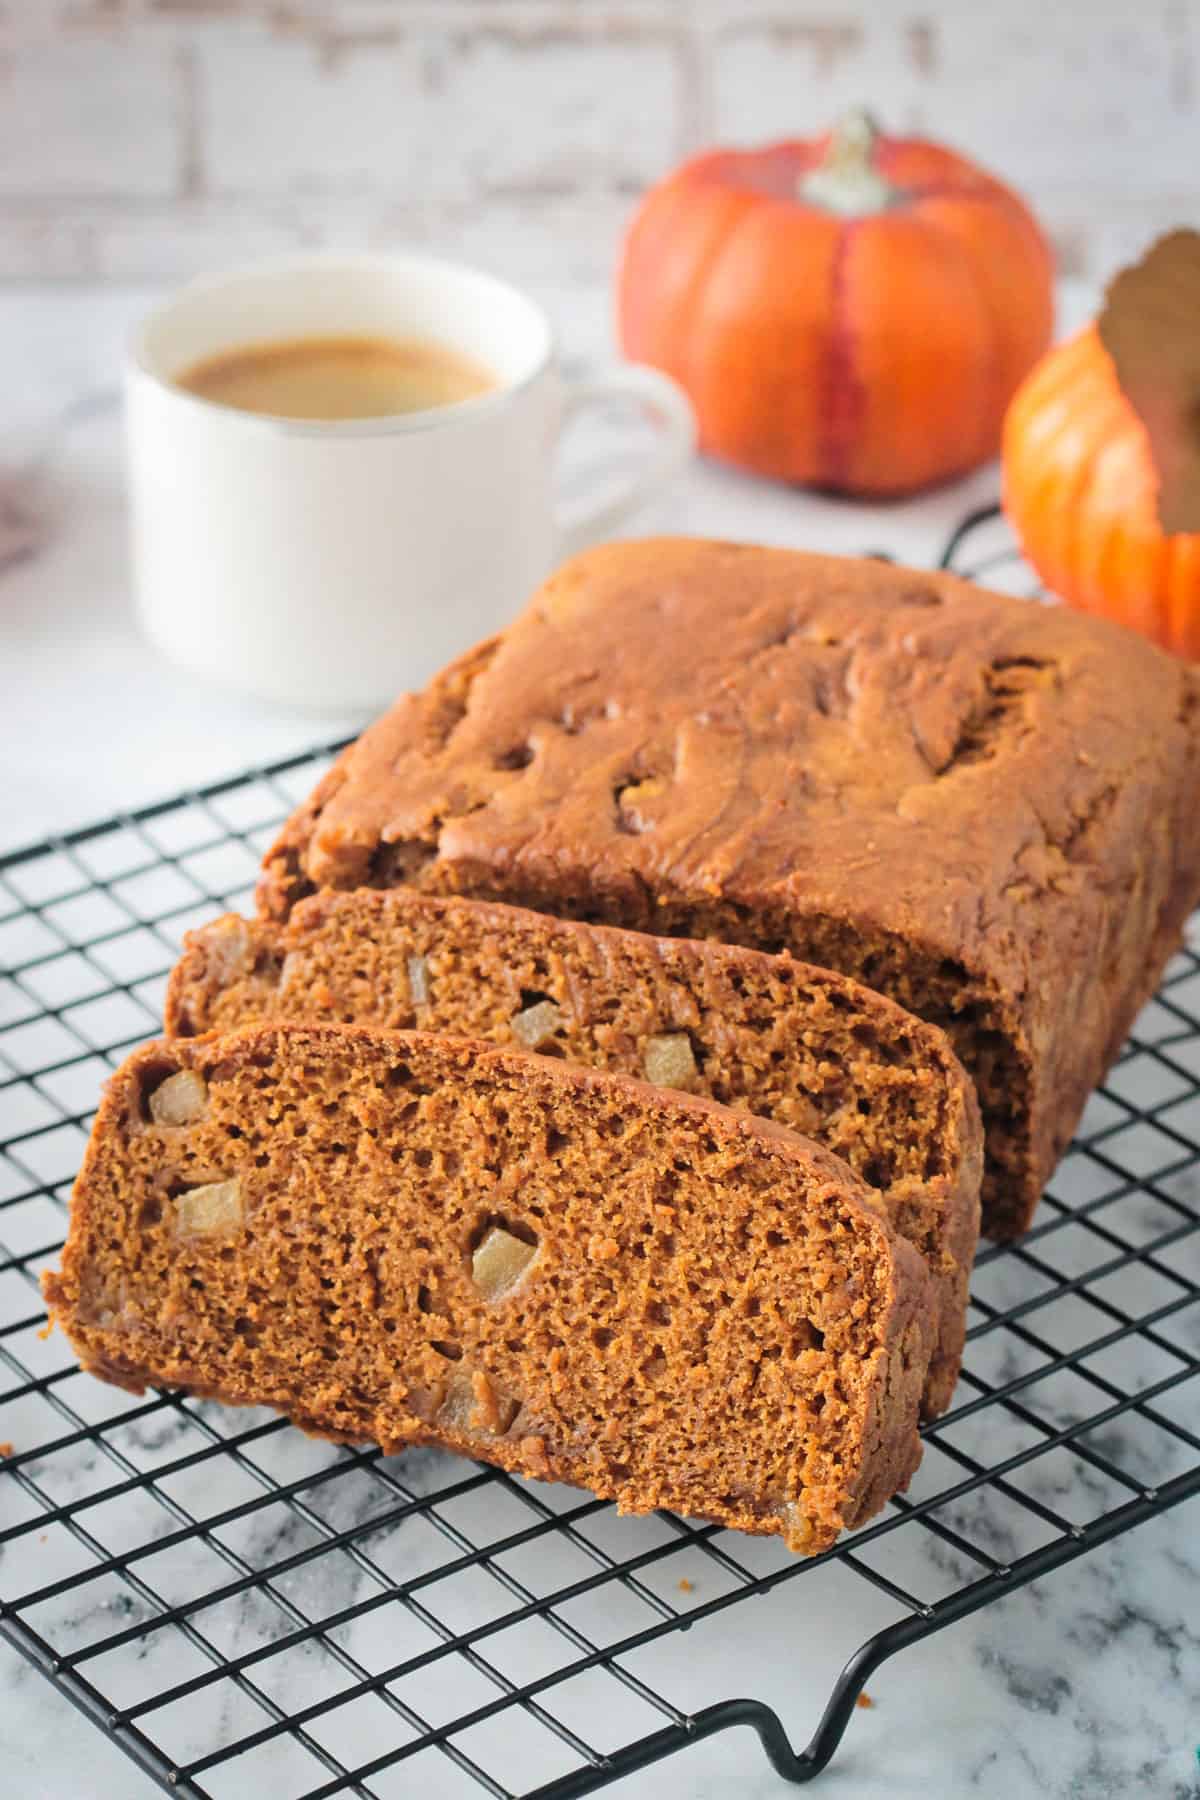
1083 1686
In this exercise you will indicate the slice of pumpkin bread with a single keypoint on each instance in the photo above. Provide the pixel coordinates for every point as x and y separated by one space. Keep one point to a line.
811 1049
404 1238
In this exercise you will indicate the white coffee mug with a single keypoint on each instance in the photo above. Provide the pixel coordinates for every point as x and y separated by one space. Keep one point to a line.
332 564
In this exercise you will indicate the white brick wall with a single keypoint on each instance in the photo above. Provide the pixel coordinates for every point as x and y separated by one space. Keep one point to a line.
88 118
283 116
158 137
544 111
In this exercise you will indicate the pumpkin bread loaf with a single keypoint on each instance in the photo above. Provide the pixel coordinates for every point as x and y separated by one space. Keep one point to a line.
805 1047
414 1239
984 808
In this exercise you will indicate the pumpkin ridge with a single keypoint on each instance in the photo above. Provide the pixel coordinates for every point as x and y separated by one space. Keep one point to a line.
1181 584
1083 561
691 321
997 347
844 400
1070 481
988 415
1053 480
639 333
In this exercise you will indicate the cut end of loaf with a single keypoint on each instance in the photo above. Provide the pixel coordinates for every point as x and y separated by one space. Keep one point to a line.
399 1238
786 1041
811 1049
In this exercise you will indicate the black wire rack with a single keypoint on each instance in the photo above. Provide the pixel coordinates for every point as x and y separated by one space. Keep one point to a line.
236 1605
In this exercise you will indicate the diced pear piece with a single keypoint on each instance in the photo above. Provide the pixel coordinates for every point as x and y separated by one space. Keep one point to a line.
214 1210
669 1061
500 1263
179 1100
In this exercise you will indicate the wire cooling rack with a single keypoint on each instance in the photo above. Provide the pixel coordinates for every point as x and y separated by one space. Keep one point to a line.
242 1609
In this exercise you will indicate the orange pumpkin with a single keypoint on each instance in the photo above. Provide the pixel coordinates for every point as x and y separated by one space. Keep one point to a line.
853 312
1081 491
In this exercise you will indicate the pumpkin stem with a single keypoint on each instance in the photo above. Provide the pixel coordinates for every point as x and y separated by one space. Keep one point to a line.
845 181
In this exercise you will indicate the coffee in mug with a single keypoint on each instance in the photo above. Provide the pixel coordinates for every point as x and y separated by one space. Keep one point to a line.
332 558
338 377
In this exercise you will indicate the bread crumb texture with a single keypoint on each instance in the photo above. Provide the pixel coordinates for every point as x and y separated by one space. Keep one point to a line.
404 1238
803 1046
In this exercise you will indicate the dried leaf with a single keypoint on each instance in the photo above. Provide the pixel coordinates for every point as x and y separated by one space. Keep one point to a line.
1150 326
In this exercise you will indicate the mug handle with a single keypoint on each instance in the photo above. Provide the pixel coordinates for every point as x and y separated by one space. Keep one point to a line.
670 409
